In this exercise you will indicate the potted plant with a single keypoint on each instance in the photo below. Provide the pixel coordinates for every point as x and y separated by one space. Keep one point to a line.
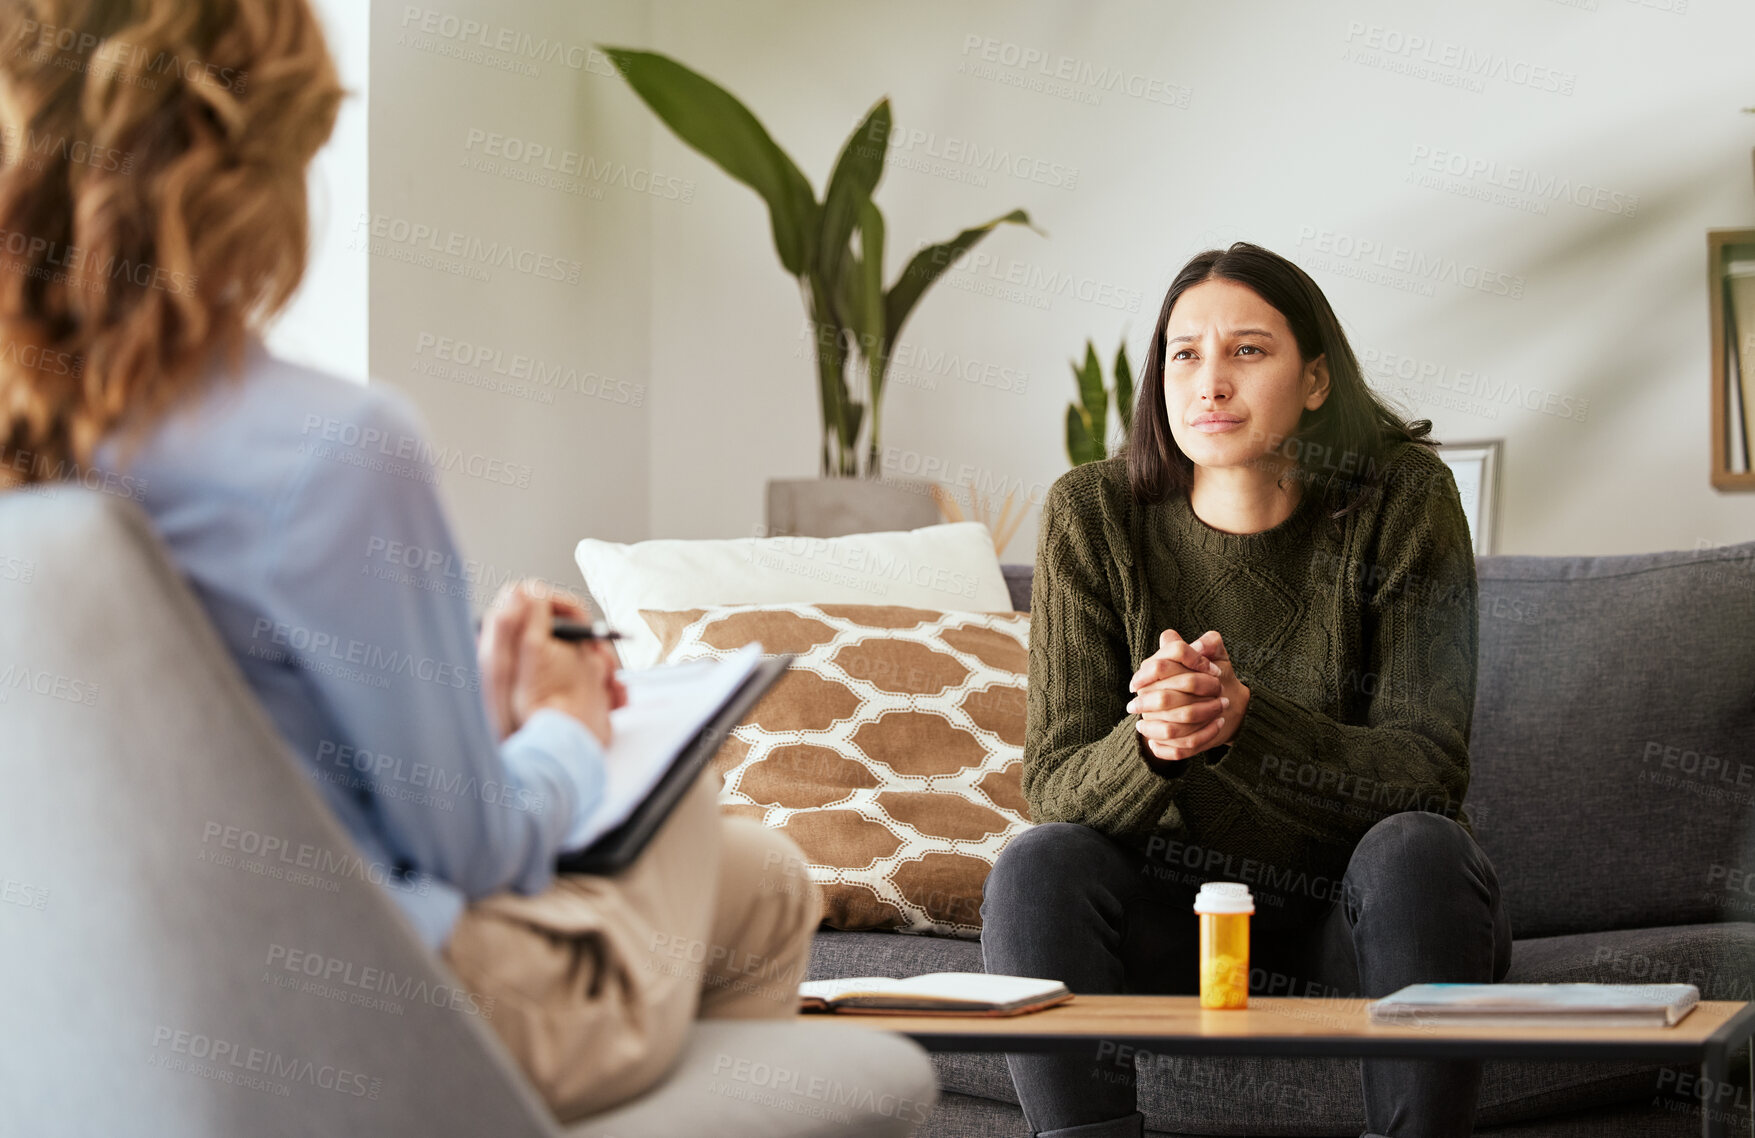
1087 421
835 249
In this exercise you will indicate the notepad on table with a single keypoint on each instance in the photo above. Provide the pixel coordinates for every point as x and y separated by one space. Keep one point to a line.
1537 1005
935 993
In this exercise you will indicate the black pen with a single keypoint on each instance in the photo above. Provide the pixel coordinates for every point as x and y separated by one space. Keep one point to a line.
574 631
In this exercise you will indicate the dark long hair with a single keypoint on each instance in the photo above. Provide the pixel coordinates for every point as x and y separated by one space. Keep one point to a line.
1337 449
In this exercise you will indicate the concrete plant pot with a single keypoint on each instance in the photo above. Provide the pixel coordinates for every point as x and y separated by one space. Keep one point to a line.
836 507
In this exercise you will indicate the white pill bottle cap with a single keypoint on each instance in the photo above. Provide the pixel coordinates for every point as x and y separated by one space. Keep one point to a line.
1223 897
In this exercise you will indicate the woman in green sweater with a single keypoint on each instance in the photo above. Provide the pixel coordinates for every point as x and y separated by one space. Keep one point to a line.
1252 658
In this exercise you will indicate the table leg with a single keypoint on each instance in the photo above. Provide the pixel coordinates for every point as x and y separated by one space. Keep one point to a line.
1712 1076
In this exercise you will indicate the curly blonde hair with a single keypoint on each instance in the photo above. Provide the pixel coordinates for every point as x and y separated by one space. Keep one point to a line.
152 205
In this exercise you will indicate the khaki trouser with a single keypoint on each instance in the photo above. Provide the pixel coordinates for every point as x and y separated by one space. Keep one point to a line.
596 980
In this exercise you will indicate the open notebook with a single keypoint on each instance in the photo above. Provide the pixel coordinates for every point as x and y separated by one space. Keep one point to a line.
1538 1005
935 993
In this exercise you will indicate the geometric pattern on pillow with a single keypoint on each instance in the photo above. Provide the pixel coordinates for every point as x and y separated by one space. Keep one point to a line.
890 752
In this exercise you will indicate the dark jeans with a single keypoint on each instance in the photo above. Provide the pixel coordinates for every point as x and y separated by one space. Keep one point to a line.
1419 902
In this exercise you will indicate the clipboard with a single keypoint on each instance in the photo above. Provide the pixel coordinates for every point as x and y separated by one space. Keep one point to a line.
618 848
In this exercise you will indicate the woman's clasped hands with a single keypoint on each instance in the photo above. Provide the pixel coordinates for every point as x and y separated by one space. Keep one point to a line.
1187 696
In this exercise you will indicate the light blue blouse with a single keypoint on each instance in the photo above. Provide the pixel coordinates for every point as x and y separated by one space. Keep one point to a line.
303 510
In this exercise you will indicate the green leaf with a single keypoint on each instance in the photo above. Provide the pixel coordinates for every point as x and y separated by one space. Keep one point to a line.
928 265
1091 394
1124 388
871 272
831 350
1080 446
712 121
856 176
873 340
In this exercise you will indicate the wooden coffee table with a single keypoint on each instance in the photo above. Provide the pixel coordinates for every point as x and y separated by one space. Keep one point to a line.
1335 1028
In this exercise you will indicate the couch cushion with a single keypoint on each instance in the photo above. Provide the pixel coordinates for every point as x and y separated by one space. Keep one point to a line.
942 566
890 753
1717 959
1183 1094
1613 743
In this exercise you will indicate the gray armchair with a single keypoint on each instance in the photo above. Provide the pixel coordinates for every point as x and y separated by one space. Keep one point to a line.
161 856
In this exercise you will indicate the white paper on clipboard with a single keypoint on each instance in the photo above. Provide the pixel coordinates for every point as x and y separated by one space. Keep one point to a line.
667 706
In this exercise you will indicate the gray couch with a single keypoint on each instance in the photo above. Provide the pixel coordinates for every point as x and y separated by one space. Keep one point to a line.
1613 785
162 858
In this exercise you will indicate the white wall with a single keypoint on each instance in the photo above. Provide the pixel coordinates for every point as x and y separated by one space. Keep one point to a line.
1285 141
325 325
1297 133
510 288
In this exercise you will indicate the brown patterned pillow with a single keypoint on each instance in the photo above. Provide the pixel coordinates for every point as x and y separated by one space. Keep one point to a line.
890 753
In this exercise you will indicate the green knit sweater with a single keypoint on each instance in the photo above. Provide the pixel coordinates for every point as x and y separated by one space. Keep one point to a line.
1357 641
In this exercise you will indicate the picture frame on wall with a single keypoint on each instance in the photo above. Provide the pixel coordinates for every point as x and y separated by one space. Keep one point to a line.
1475 466
1730 283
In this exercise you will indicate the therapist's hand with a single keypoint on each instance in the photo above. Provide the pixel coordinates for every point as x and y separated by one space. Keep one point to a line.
525 669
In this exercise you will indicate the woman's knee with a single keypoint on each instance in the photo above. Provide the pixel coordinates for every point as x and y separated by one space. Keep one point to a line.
1049 864
1415 846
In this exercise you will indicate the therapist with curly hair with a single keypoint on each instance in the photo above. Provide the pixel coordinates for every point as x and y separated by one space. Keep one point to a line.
152 221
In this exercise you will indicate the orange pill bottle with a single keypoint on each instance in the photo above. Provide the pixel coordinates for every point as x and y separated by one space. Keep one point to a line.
1224 908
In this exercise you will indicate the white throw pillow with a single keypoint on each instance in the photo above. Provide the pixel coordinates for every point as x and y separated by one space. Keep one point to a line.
945 567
